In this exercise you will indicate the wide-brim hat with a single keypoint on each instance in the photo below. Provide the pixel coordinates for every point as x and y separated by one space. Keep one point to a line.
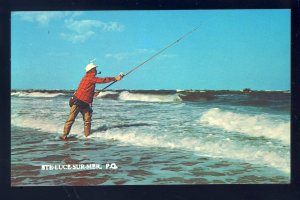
90 66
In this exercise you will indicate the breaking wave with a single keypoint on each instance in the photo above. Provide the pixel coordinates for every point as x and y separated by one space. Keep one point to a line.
36 94
218 148
252 125
274 100
108 95
127 96
146 138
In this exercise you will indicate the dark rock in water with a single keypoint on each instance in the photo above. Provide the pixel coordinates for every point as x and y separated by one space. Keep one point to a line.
247 90
197 97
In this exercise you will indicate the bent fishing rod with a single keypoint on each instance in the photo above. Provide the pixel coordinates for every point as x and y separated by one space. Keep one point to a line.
153 56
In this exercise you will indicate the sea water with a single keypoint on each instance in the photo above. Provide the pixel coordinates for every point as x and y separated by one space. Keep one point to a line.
153 137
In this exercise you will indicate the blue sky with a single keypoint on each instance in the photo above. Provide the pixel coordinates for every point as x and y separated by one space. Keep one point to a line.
232 49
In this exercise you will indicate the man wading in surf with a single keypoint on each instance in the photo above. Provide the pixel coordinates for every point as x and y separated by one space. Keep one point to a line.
83 98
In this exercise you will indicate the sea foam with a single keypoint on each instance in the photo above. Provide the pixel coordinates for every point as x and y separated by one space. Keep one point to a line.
252 125
127 96
49 126
103 94
35 94
218 148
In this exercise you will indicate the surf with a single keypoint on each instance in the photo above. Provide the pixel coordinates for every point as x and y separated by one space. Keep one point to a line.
127 96
146 136
250 125
36 94
217 149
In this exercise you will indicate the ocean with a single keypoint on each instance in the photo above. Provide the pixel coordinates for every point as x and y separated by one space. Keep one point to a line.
152 137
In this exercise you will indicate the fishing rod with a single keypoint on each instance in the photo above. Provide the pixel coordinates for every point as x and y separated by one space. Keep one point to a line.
153 56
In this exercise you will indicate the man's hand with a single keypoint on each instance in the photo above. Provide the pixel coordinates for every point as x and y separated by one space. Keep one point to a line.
118 78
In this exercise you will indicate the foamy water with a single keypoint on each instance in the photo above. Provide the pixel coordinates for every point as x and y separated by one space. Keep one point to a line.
105 93
127 96
219 149
252 125
35 94
156 138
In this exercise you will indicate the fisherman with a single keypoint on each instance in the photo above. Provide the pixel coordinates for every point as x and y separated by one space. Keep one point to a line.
82 99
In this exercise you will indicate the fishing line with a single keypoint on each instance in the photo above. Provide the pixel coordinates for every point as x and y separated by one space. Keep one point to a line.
153 56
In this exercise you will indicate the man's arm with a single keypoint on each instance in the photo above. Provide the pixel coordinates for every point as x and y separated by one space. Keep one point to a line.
107 80
104 80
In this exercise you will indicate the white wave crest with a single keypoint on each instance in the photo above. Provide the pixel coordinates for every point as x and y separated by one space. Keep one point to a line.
35 94
253 125
44 125
224 149
102 94
127 96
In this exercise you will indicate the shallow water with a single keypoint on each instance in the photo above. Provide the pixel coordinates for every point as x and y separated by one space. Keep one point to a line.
153 137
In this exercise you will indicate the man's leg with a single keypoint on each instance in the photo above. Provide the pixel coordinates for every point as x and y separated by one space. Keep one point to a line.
74 110
87 118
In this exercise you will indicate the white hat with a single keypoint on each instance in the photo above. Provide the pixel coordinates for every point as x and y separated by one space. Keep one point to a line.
90 66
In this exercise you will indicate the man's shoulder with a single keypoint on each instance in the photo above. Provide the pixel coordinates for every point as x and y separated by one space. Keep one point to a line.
88 77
